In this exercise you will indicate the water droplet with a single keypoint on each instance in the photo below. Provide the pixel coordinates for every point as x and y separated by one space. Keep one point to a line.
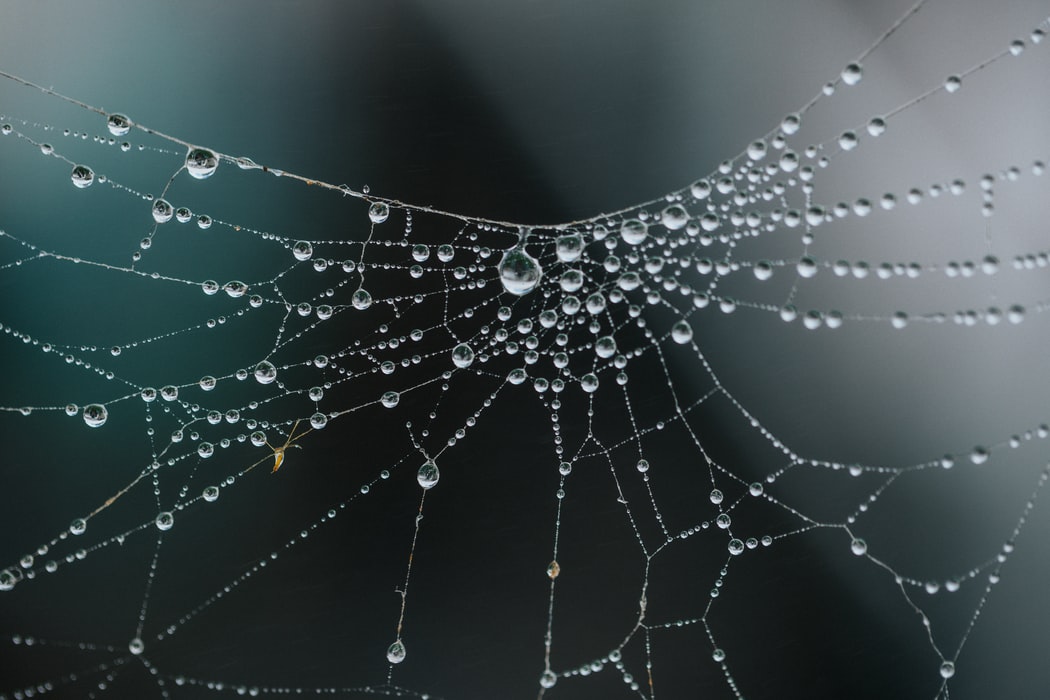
378 212
947 669
605 347
395 653
390 399
164 521
82 176
302 250
852 74
979 455
210 494
519 272
428 474
553 569
361 299
201 163
265 372
118 124
716 496
859 547
633 231
642 466
569 248
736 547
953 83
589 383
681 332
791 124
95 415
136 647
169 392
78 526
548 679
674 217
718 655
162 211
462 356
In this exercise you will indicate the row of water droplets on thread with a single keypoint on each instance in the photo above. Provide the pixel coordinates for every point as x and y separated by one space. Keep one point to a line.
553 309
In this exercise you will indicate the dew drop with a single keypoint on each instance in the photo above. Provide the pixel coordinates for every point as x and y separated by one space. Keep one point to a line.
553 569
162 211
462 356
118 124
859 547
82 176
390 399
395 653
378 212
852 74
318 421
302 250
569 248
548 679
633 231
519 272
947 669
428 474
210 494
136 647
361 299
681 332
164 521
95 415
78 526
265 372
201 163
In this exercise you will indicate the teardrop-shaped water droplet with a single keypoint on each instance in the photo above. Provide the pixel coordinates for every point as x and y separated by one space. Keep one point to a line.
681 332
519 272
395 653
428 474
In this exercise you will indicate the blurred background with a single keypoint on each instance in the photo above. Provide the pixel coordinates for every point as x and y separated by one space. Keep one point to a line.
543 112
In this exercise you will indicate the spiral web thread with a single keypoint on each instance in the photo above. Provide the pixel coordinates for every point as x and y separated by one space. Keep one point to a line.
416 324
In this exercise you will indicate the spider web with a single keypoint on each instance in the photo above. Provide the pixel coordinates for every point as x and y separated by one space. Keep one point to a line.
776 432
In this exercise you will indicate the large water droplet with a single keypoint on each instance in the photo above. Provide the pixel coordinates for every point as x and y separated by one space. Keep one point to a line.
428 474
95 415
681 332
548 679
378 212
569 248
162 211
395 653
164 521
519 272
361 299
265 372
118 124
82 176
462 356
201 163
633 231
